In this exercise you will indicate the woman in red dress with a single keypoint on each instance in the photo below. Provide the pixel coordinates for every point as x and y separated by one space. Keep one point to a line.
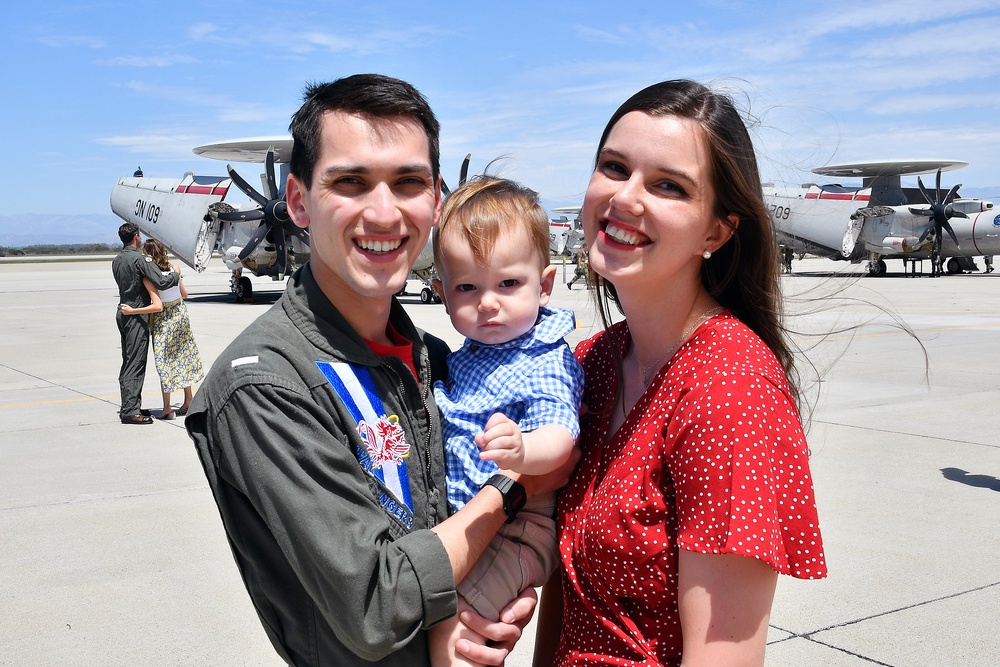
694 489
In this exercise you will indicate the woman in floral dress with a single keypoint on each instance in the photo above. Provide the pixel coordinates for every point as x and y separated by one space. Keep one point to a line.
174 350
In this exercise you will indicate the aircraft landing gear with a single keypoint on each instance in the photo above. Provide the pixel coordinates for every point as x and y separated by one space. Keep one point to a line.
876 267
244 290
427 295
242 287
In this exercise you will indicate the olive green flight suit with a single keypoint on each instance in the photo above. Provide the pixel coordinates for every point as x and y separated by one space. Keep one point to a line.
129 268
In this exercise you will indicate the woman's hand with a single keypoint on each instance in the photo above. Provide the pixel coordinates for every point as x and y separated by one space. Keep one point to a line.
126 309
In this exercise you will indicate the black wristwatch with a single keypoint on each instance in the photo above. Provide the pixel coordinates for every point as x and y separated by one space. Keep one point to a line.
513 494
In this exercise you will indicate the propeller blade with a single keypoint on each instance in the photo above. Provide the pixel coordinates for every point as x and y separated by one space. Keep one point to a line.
445 190
245 187
464 173
272 185
951 193
923 191
938 188
927 230
255 240
295 230
241 216
926 212
951 233
950 212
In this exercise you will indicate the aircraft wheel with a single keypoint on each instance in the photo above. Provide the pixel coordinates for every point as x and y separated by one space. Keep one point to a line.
876 267
954 266
426 295
244 288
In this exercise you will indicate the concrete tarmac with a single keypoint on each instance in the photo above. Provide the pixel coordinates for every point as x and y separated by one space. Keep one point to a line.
112 552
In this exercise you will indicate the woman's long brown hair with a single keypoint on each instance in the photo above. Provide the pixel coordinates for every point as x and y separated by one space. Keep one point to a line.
742 275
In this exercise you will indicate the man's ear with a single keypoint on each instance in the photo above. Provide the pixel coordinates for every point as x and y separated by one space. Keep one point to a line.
295 193
439 288
547 283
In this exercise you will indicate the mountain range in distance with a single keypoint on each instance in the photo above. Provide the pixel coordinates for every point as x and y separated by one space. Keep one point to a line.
27 229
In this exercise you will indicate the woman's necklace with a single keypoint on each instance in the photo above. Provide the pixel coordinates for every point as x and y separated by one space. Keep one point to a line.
707 315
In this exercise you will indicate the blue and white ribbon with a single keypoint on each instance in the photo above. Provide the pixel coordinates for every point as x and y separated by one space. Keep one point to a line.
386 448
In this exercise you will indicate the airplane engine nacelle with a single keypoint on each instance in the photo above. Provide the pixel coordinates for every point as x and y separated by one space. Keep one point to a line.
897 244
174 212
969 206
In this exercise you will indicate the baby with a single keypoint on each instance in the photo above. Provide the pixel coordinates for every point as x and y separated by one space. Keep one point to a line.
513 395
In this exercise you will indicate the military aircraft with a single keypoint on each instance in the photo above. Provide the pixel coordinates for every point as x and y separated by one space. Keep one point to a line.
566 232
881 220
189 216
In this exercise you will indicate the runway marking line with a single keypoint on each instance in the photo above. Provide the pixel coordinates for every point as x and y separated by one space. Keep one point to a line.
80 399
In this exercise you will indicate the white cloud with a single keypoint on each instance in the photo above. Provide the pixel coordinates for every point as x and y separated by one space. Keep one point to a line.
213 104
153 145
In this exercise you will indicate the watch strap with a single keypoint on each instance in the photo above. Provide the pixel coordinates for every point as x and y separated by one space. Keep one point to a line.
514 495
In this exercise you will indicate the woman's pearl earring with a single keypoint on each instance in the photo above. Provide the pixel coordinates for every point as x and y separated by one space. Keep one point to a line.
707 254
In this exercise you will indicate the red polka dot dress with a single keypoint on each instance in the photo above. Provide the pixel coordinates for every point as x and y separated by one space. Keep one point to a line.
711 459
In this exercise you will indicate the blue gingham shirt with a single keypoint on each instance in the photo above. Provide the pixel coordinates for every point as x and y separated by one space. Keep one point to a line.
534 380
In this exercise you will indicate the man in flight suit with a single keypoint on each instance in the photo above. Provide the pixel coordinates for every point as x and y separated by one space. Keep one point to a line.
129 268
317 427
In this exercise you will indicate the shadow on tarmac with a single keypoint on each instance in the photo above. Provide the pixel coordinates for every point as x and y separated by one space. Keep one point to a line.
266 298
963 477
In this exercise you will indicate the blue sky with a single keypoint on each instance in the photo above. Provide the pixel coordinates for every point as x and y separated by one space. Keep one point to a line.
94 88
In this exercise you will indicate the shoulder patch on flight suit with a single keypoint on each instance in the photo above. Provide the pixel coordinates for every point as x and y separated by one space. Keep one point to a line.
148 258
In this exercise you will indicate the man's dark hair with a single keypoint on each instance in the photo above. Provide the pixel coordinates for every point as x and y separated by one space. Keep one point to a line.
127 232
372 96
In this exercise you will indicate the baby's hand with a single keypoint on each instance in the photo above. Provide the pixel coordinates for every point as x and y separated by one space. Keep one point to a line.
501 442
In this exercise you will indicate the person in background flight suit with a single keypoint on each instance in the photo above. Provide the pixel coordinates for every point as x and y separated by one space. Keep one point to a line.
129 268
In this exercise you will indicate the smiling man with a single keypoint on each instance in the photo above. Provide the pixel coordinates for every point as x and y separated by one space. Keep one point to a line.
317 427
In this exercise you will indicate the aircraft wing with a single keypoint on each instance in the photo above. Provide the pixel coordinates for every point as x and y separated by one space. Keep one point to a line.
174 212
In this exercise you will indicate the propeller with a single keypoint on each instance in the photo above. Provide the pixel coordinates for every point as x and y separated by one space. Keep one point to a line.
463 175
940 212
272 212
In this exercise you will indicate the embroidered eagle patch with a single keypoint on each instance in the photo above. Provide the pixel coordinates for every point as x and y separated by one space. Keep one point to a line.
385 441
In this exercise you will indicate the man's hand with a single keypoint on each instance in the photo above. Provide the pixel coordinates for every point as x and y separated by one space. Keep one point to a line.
497 637
501 442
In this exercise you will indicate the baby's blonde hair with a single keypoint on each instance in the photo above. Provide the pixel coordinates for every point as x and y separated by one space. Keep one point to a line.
487 206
